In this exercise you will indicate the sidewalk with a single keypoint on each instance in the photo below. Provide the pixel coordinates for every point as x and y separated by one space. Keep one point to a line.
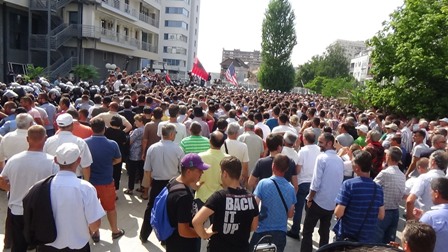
130 211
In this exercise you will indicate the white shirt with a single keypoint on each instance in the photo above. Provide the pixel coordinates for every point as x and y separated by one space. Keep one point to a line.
291 153
283 129
327 179
266 130
422 188
107 117
12 143
237 149
180 129
307 159
75 205
55 141
23 171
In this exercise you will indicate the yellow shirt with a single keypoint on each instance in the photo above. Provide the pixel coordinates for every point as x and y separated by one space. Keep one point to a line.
212 176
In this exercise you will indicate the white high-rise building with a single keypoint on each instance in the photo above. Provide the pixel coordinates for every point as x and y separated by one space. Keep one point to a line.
179 36
351 48
360 66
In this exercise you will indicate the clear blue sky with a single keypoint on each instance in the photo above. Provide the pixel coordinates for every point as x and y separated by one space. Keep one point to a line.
236 24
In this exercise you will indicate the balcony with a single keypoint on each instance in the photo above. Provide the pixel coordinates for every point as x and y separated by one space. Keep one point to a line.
126 11
149 20
116 39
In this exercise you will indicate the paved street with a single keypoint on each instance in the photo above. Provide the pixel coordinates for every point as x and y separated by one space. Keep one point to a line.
130 211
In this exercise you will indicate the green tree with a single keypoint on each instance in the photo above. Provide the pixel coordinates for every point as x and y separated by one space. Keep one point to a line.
409 61
86 72
33 73
278 41
332 64
332 87
338 87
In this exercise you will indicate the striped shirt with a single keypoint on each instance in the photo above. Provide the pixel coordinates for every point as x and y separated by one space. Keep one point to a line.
195 144
356 195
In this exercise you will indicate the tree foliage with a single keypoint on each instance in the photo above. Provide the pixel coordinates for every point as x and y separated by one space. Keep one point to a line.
332 87
332 64
409 61
33 73
86 72
278 41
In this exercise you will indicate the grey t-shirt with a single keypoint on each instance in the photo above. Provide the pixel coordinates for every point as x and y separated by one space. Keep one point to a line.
345 139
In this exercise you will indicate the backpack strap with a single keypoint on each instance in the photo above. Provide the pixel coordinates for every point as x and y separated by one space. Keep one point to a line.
176 187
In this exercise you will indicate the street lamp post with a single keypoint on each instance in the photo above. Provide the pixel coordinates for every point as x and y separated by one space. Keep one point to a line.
111 67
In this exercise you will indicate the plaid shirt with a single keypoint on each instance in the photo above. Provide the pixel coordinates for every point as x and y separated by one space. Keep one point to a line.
392 180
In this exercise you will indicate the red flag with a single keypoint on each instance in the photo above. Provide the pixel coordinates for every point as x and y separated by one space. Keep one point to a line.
167 78
199 70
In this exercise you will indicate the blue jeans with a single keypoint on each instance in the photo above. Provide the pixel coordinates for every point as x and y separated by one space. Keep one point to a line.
278 238
387 228
304 189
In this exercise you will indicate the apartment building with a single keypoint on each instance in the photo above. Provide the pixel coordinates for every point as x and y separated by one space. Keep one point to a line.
59 34
351 48
360 66
251 58
179 36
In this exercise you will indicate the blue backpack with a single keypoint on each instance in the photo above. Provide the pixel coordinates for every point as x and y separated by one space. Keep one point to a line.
160 221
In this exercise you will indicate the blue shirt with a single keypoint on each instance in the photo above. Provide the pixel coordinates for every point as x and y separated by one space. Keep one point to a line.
103 152
327 179
437 218
51 112
272 205
272 122
9 126
8 118
356 195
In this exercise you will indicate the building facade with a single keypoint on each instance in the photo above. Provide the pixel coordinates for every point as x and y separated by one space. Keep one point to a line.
252 59
59 34
179 36
351 48
360 66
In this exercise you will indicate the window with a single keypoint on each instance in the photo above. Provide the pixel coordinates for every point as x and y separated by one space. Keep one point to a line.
174 62
177 10
187 1
179 24
175 36
174 50
18 38
73 17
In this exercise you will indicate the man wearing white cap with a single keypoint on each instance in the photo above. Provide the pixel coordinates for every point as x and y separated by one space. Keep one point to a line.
21 172
391 130
443 122
65 124
362 133
74 202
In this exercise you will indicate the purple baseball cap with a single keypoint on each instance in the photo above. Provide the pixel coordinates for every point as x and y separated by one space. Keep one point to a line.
193 160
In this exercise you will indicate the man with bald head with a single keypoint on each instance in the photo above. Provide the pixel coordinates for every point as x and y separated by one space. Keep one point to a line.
21 172
107 116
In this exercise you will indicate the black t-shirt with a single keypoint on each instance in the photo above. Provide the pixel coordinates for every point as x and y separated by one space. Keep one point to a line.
263 169
234 210
119 137
181 209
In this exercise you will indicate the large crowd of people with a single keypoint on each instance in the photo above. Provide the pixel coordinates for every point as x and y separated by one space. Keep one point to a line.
248 160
